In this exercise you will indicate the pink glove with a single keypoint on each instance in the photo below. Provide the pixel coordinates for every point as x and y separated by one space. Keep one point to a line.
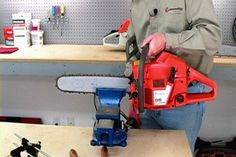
157 43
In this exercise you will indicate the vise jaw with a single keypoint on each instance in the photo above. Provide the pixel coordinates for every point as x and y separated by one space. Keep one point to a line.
109 129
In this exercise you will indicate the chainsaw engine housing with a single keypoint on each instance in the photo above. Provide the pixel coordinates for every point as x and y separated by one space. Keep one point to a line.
165 83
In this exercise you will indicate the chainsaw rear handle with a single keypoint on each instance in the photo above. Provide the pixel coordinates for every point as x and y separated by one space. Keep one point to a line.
200 97
141 78
113 33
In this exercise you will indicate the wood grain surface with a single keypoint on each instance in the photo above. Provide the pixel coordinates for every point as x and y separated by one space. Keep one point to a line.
81 54
57 141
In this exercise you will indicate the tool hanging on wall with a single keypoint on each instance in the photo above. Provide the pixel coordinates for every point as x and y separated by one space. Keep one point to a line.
57 17
121 34
32 149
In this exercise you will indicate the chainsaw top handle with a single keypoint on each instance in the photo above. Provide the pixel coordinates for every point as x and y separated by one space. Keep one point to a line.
141 78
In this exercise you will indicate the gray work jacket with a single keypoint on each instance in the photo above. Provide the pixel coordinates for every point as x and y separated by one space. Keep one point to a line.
191 28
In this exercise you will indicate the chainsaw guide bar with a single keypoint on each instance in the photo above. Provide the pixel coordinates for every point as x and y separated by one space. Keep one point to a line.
87 84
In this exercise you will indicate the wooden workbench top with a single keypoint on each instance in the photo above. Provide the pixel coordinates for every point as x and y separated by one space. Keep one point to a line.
81 54
58 140
66 53
225 61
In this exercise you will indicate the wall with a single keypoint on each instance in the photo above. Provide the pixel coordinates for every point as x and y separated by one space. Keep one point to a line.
226 13
90 20
39 97
219 121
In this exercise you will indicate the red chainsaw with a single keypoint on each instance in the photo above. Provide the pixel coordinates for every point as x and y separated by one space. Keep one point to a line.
163 82
157 84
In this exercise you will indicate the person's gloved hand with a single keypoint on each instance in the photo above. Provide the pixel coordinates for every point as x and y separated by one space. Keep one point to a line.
157 43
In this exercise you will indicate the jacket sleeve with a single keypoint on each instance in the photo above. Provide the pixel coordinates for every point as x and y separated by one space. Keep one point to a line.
130 32
204 35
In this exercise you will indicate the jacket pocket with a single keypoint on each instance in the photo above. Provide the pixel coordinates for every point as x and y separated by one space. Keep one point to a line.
174 10
174 14
154 17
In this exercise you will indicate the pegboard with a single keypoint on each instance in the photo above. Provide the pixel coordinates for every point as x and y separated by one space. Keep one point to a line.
90 20
226 13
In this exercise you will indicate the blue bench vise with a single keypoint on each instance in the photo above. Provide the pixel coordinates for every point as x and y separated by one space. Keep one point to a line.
108 129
